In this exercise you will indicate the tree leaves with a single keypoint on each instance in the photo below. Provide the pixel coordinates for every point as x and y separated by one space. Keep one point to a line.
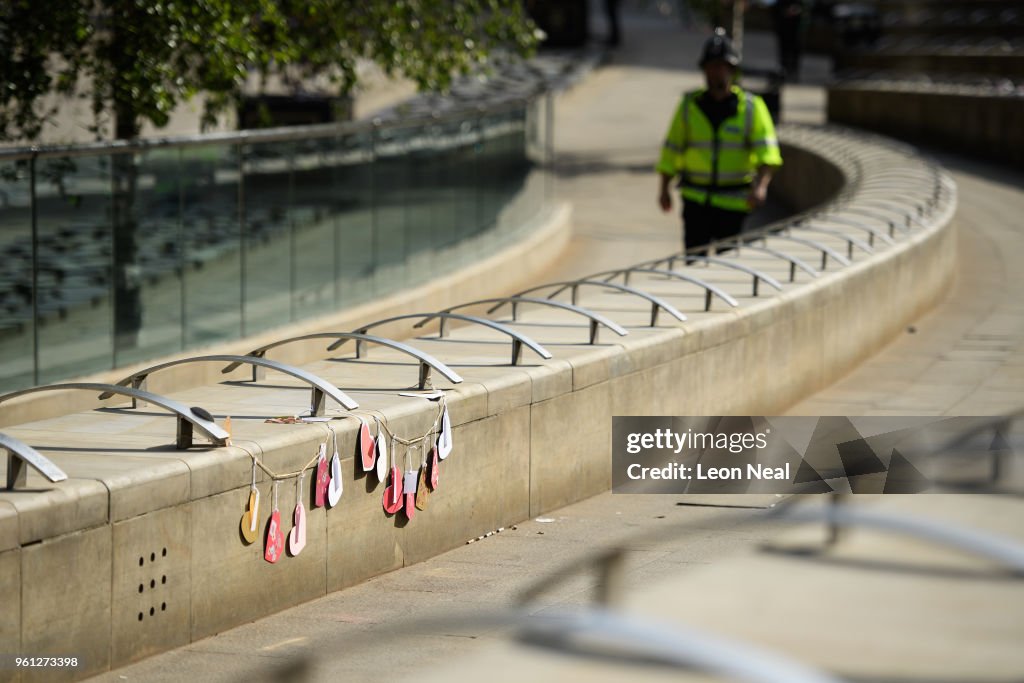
136 60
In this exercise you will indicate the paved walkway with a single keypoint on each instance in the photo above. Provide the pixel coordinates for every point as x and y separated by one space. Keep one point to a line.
609 129
966 356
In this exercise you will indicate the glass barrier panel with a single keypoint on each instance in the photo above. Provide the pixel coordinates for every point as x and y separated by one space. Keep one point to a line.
17 326
392 177
212 258
151 318
353 215
313 214
76 288
268 238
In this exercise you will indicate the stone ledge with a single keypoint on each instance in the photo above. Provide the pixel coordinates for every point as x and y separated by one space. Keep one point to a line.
527 439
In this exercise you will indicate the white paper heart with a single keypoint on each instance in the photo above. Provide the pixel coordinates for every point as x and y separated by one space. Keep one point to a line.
336 486
444 439
382 457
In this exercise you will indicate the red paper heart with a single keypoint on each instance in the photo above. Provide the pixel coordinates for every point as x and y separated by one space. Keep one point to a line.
393 493
323 480
275 539
435 469
367 447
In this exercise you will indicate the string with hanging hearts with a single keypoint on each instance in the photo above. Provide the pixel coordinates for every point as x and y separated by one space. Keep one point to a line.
407 483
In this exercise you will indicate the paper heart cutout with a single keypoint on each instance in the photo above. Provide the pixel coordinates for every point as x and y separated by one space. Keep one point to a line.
435 469
249 525
444 439
367 446
410 505
422 492
393 492
297 536
336 486
382 458
323 480
275 539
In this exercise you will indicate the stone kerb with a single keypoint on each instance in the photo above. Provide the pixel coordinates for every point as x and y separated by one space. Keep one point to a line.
139 551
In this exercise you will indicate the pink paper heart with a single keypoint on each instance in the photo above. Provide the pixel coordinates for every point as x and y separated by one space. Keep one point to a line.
323 480
393 493
297 536
367 447
275 539
435 469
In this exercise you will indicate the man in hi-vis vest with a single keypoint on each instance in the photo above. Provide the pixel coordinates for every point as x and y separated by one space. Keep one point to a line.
722 146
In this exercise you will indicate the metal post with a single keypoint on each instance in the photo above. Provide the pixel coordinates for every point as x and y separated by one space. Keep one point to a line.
35 267
317 402
17 473
832 525
184 437
425 381
139 382
517 351
611 583
183 290
241 236
293 278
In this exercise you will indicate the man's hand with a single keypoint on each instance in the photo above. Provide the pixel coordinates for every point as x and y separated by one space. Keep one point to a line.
759 188
665 195
757 195
665 200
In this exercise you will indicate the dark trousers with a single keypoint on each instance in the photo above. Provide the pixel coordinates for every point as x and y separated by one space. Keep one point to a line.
704 223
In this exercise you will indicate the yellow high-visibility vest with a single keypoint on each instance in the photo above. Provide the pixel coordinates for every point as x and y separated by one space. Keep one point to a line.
717 167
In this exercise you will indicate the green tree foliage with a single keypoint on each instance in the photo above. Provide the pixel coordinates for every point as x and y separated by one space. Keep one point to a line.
136 60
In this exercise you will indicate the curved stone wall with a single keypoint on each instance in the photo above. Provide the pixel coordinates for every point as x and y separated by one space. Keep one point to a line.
139 550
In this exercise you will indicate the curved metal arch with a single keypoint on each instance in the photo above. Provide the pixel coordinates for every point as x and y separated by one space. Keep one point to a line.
932 190
857 209
979 543
674 646
20 454
595 318
850 240
757 275
826 251
841 216
898 205
794 262
892 205
518 340
188 420
321 387
657 303
872 232
426 361
709 288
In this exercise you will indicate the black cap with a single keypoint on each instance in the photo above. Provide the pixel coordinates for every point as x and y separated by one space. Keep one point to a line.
720 47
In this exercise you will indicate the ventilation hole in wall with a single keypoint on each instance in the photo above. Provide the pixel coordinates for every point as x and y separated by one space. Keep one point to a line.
152 557
140 616
152 583
163 606
164 552
152 611
141 587
142 561
163 579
